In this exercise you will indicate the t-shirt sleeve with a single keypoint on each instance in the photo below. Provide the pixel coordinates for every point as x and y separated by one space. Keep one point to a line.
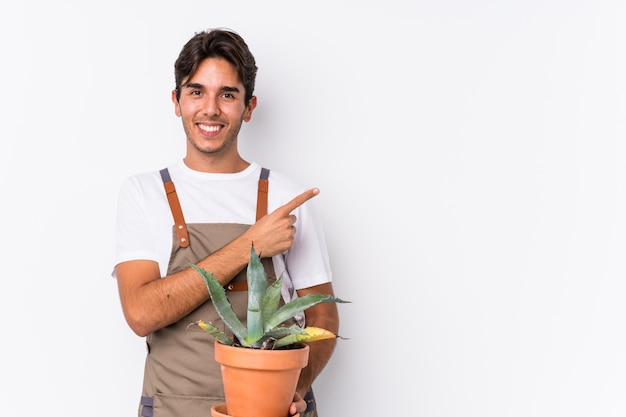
133 235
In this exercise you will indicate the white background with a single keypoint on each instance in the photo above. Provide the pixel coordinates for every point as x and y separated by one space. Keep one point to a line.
470 156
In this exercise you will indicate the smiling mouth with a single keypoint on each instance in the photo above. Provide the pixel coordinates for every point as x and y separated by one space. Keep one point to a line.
209 129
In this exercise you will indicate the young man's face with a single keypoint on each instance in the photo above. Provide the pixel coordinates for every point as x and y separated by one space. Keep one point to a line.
212 108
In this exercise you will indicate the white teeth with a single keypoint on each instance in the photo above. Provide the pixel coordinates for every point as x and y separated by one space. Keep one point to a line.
209 128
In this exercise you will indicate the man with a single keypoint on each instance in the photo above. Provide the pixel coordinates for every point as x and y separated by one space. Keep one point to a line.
208 209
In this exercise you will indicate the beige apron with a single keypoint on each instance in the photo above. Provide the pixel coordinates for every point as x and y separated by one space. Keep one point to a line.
181 377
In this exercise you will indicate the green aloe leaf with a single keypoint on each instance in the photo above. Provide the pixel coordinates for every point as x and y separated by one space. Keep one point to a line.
279 332
217 333
268 341
257 283
297 306
222 305
271 299
308 334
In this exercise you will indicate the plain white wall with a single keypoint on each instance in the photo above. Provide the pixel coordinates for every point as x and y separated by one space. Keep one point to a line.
470 156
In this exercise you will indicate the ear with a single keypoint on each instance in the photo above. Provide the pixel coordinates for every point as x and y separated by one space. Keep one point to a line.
251 106
176 104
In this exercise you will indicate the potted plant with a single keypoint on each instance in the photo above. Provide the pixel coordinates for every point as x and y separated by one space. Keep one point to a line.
265 341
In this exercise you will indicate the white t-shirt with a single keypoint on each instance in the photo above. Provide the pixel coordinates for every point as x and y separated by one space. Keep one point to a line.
144 218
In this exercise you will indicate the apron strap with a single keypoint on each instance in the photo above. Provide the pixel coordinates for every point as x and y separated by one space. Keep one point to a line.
147 404
261 201
177 212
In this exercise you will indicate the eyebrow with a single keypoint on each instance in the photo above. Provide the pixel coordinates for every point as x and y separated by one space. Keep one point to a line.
199 86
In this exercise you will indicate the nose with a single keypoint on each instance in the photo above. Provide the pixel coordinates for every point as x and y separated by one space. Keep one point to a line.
211 106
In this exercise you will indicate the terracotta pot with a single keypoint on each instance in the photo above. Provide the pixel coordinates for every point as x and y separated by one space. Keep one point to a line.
260 383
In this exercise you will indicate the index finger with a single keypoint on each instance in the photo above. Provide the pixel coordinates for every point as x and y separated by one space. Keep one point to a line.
298 201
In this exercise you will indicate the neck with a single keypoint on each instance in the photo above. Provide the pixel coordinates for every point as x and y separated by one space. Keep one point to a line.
216 165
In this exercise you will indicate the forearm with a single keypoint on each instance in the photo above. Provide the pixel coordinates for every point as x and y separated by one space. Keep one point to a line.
325 316
320 353
150 302
225 263
164 301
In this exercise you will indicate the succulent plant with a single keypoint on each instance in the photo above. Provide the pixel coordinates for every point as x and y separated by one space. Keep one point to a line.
265 316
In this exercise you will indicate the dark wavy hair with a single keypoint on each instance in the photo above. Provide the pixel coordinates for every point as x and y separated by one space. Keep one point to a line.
217 43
